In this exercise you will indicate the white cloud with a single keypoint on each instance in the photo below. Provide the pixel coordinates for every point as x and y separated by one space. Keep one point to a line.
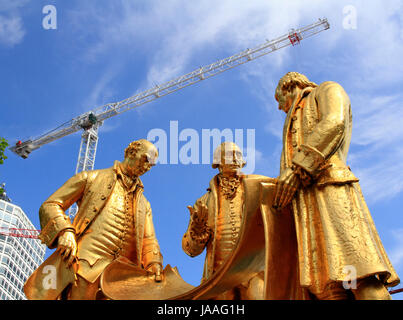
7 5
382 178
376 145
377 122
177 35
102 91
11 30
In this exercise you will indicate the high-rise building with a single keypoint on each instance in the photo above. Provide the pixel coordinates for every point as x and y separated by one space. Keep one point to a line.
19 256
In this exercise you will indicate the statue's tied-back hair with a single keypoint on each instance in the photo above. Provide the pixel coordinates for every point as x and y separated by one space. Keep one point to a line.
293 79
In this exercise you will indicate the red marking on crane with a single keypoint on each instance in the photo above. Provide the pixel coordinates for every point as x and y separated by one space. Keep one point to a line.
294 38
396 291
20 233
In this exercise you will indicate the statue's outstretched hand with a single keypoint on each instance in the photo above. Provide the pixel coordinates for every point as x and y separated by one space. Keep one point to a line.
67 246
199 216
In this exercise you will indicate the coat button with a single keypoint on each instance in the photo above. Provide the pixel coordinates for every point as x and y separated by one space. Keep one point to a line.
294 144
293 130
95 209
103 198
294 118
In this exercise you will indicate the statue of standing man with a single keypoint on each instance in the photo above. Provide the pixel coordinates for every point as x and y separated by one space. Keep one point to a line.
335 232
216 220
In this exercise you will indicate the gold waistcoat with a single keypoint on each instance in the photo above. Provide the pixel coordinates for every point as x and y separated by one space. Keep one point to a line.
228 225
112 233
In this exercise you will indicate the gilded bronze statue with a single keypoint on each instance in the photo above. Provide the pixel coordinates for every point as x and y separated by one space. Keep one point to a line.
334 228
216 219
230 222
306 234
114 220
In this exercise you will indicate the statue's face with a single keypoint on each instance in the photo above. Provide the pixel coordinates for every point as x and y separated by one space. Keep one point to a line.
142 161
231 161
284 98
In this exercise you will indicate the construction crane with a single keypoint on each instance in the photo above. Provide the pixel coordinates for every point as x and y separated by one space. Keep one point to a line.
20 233
90 121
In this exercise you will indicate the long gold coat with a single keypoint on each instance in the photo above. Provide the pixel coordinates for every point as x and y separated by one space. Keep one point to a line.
210 199
334 227
91 190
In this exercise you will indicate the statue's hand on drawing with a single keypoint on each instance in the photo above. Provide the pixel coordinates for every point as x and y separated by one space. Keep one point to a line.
67 246
287 184
156 269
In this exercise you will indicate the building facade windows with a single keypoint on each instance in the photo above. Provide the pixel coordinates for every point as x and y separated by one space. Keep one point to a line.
19 257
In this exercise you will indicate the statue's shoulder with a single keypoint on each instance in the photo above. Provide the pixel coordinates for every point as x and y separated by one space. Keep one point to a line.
212 184
100 174
257 177
254 176
328 86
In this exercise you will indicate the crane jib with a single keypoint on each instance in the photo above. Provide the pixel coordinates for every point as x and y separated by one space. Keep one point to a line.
93 119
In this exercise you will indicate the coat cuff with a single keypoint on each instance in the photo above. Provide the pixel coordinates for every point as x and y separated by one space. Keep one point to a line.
309 158
153 256
53 228
151 252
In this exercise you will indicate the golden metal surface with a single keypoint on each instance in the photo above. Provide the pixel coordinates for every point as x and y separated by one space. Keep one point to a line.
294 237
34 286
231 202
334 228
114 219
123 280
266 242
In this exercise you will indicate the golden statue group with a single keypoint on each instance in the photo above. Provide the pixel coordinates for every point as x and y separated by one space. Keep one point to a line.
305 235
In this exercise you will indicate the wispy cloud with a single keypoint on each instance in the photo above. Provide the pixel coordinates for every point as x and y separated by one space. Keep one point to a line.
11 30
376 151
7 5
177 35
102 92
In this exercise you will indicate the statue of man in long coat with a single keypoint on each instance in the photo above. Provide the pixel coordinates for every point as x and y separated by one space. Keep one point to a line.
337 238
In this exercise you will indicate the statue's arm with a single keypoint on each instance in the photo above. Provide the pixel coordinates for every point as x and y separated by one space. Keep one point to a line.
333 107
151 250
52 215
198 233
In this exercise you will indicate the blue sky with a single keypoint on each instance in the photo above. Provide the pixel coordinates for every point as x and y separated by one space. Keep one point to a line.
104 51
